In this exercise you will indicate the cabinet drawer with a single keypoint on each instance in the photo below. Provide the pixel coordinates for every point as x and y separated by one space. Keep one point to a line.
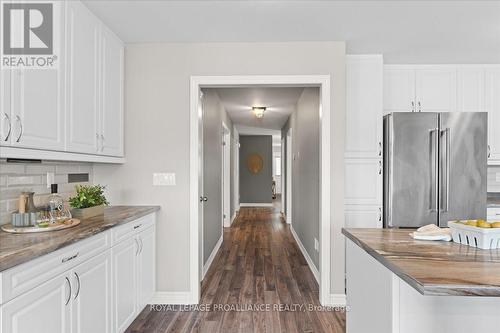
129 229
24 277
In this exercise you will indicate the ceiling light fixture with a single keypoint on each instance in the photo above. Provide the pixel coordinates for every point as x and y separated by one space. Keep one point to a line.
258 111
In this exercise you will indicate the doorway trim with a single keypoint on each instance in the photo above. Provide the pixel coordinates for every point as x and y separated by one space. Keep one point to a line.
196 167
226 176
289 166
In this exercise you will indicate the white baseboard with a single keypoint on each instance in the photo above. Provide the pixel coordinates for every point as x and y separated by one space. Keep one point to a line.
250 204
212 256
234 216
337 300
172 297
306 255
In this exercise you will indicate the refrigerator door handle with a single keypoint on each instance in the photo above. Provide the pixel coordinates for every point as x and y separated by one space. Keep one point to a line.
434 165
446 177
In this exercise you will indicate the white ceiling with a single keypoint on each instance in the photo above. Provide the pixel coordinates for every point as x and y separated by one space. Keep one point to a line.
280 104
404 31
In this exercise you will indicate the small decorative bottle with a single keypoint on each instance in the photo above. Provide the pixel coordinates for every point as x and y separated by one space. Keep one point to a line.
55 204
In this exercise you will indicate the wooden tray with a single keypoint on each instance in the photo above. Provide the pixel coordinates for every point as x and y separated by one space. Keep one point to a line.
52 227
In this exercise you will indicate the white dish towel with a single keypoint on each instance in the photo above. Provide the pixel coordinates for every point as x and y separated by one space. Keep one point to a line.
432 232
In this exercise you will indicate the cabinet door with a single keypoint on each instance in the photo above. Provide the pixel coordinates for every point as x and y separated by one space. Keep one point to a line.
41 310
470 89
38 108
5 112
146 267
112 95
493 108
92 295
364 79
83 31
399 90
124 280
436 89
363 217
363 182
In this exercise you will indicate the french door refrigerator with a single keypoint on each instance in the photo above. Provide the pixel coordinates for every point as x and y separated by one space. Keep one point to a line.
435 167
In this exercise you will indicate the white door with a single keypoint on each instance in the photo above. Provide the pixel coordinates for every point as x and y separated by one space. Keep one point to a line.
5 111
91 281
226 177
146 267
83 30
399 90
363 217
111 95
363 182
436 89
364 80
38 108
493 108
288 189
45 309
124 281
470 89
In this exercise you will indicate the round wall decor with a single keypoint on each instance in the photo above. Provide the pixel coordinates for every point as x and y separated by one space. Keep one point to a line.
255 163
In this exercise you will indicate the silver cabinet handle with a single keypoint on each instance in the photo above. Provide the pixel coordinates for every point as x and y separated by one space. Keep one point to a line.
379 148
97 141
419 107
137 243
10 126
137 226
102 142
70 258
140 240
412 106
379 167
379 214
18 120
69 295
78 290
489 150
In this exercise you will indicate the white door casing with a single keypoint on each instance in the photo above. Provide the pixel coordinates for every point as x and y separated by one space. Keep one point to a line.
289 167
196 168
226 176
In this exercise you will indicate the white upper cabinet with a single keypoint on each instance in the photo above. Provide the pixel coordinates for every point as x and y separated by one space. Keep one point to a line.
493 108
436 90
5 111
111 115
83 38
470 88
364 81
363 179
399 90
420 89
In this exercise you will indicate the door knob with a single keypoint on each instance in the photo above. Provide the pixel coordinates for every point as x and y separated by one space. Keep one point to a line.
203 199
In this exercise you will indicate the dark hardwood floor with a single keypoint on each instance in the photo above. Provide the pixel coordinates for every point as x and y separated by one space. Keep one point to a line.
258 265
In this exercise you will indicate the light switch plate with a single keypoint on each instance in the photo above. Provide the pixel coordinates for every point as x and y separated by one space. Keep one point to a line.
316 244
164 179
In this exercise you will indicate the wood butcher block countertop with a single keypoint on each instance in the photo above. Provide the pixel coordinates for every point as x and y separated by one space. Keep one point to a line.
432 267
16 249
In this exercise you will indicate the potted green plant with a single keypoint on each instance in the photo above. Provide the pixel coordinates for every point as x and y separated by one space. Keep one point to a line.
88 202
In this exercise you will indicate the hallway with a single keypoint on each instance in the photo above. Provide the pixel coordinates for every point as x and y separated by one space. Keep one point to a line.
259 263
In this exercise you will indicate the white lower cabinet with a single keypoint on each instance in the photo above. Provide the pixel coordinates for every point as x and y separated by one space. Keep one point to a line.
44 309
124 283
91 301
363 216
101 293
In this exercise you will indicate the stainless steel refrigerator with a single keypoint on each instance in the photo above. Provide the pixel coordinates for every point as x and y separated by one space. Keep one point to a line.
435 167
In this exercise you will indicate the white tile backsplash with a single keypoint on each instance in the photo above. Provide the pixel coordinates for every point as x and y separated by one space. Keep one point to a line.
16 178
493 179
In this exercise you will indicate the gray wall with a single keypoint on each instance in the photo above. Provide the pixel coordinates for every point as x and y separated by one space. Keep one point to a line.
213 116
305 126
157 78
256 188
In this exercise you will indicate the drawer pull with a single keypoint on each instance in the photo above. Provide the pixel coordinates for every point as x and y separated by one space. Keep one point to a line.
137 226
69 258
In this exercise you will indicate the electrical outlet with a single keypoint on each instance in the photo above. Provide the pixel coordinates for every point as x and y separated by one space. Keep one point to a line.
50 179
164 179
316 244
